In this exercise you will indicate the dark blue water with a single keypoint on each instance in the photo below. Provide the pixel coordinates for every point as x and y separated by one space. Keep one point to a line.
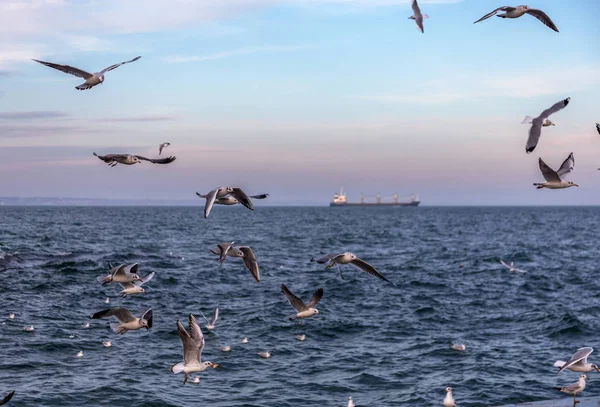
384 345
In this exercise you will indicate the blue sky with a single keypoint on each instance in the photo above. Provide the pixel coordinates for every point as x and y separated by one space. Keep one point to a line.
298 98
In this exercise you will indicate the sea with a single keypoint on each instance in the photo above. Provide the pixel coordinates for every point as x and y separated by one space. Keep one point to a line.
384 345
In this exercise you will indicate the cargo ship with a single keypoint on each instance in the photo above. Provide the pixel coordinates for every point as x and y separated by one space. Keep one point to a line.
340 200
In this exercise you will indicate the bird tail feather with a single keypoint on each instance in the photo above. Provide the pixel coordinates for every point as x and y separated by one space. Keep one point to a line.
177 368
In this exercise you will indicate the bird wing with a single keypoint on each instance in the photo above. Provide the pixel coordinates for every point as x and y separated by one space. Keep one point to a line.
210 201
145 279
160 147
108 158
327 258
122 314
543 17
293 300
527 120
191 353
505 265
215 317
579 356
364 266
419 22
598 127
110 68
242 198
263 196
196 333
7 398
250 262
67 69
571 388
132 268
549 174
567 166
415 8
314 300
493 13
148 317
553 109
535 131
166 160
223 249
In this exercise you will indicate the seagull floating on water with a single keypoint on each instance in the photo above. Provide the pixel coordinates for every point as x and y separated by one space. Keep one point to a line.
535 131
511 267
518 11
350 402
127 321
264 355
29 328
11 315
417 16
91 80
459 346
210 325
107 300
135 287
107 344
349 258
85 325
225 348
574 388
553 178
80 354
195 379
578 362
161 146
449 400
244 340
7 398
130 159
304 310
301 338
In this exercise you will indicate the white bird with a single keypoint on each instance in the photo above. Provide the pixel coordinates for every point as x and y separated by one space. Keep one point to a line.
545 123
511 267
107 300
85 325
161 146
130 159
449 400
578 362
225 348
350 402
349 258
459 346
124 273
244 340
127 321
535 131
11 315
553 178
575 388
80 354
210 325
417 16
518 11
301 338
107 344
91 80
135 287
304 310
195 379
264 355
222 192
193 343
29 328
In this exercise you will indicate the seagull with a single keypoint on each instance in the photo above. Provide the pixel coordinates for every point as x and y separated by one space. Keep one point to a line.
222 250
7 398
545 123
459 346
127 321
91 80
161 146
123 273
535 131
80 354
211 325
107 300
512 267
230 200
350 402
304 310
135 287
250 261
11 315
417 16
516 12
264 355
130 159
578 362
222 192
301 338
193 343
29 328
225 348
107 344
244 340
553 180
85 325
449 400
349 258
598 127
574 388
195 379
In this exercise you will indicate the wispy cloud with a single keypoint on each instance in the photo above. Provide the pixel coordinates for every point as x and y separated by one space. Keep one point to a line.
32 115
138 119
261 49
10 131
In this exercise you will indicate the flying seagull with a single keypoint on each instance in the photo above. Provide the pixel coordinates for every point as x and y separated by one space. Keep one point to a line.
193 343
135 287
250 261
7 398
598 127
91 80
210 325
535 131
574 388
127 321
161 146
529 120
553 178
417 16
223 192
516 12
124 273
304 310
223 250
511 267
130 159
349 258
448 400
578 362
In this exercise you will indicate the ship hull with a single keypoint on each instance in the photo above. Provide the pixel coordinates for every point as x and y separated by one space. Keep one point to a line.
414 203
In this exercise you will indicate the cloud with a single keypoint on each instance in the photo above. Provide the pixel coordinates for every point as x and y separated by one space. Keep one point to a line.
136 119
239 51
32 115
9 131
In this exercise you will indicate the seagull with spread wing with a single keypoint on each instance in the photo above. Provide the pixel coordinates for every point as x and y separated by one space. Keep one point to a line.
226 249
418 16
130 159
535 131
230 198
210 325
553 178
161 146
349 258
578 362
303 310
131 288
127 322
518 11
223 250
124 273
511 267
193 344
91 80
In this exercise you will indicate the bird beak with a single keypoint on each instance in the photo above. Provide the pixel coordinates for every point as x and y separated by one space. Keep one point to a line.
215 365
597 369
576 185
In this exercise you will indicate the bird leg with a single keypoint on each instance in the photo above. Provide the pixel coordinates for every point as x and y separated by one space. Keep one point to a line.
575 399
341 275
184 378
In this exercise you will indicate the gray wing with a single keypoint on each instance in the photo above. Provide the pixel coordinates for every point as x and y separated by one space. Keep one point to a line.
535 131
250 262
67 69
122 314
242 198
196 333
108 158
505 265
314 300
293 300
571 388
543 17
327 258
419 22
549 174
7 398
366 267
580 355
210 201
148 317
555 108
191 353
145 279
215 317
110 68
493 13
415 8
567 166
132 268
166 160
261 196
223 249
120 270
598 127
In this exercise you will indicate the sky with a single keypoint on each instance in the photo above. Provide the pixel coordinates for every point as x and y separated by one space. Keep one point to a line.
298 98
